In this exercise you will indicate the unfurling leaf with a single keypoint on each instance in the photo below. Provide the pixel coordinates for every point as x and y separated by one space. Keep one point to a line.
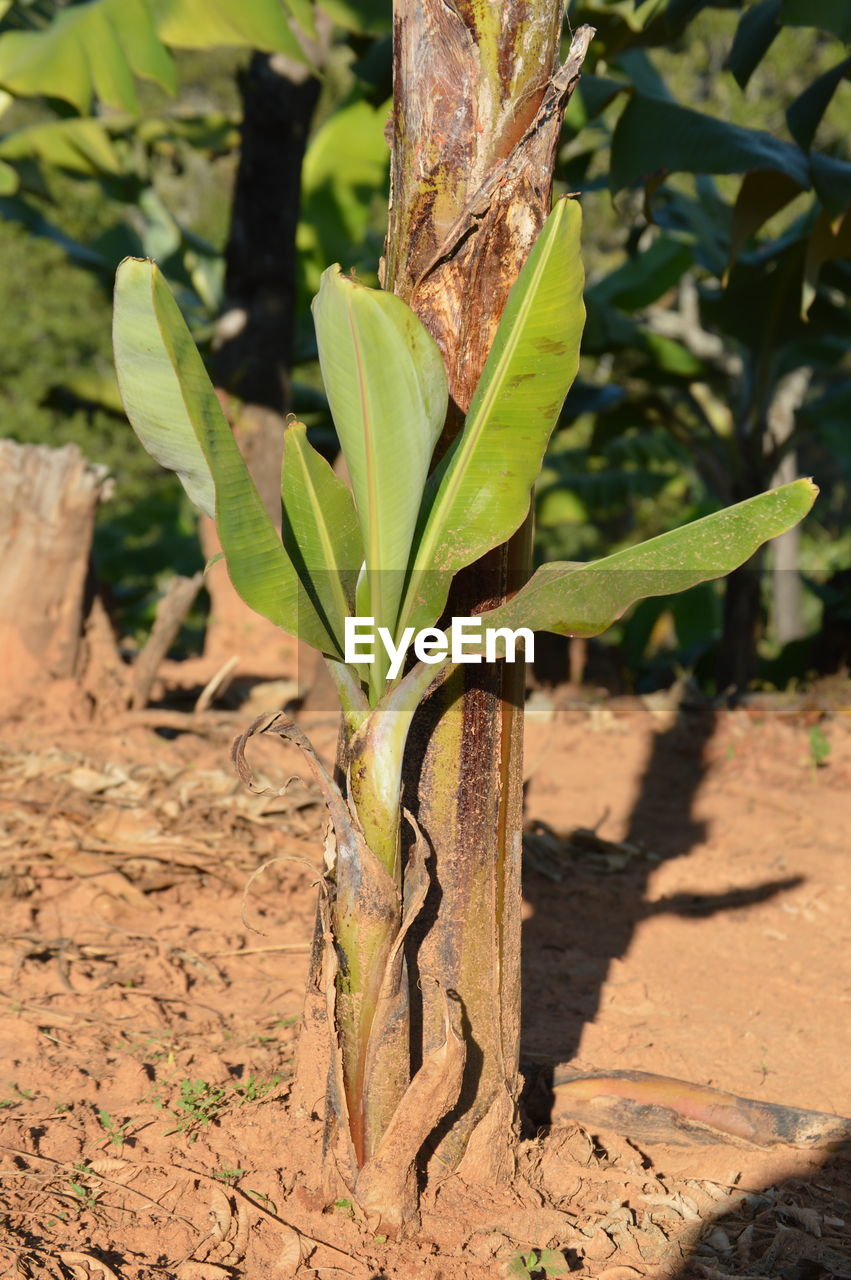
386 385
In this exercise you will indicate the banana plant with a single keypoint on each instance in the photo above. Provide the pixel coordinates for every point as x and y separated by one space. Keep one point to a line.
377 558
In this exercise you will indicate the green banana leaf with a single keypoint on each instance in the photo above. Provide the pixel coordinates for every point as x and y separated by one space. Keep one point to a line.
88 50
320 529
344 166
757 29
386 385
80 146
829 15
9 180
652 135
174 411
480 493
96 49
585 599
203 24
805 114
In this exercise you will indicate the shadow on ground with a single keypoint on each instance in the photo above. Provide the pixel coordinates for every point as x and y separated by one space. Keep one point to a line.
794 1229
588 896
587 899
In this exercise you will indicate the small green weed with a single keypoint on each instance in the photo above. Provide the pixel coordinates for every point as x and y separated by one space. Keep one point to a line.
764 1069
200 1103
274 1024
253 1089
197 1105
87 1195
537 1264
117 1133
265 1202
25 1095
230 1176
819 747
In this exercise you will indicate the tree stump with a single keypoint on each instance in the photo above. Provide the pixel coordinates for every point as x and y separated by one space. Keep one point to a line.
48 499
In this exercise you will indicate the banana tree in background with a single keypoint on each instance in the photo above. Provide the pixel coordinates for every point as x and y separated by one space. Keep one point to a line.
445 386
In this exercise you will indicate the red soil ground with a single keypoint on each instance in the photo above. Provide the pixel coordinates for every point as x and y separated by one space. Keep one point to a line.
151 988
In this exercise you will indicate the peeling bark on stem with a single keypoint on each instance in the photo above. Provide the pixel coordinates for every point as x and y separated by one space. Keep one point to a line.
478 103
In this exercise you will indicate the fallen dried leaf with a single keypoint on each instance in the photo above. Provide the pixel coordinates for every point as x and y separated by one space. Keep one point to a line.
220 1213
744 1243
718 1240
85 1267
110 1166
682 1205
807 1218
599 1247
201 1271
91 781
291 1254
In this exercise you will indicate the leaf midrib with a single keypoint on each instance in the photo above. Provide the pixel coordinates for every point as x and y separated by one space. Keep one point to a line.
426 549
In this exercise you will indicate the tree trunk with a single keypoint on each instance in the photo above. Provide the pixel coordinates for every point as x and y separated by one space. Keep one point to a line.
254 334
787 596
742 619
478 102
48 499
740 628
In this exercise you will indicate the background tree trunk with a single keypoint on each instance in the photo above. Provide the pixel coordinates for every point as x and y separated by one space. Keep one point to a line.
788 593
743 611
478 103
254 335
48 499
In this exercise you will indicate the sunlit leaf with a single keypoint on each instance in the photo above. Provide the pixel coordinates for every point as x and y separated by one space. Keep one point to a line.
9 181
345 164
203 24
97 49
480 493
174 411
80 146
584 600
386 385
87 50
366 17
